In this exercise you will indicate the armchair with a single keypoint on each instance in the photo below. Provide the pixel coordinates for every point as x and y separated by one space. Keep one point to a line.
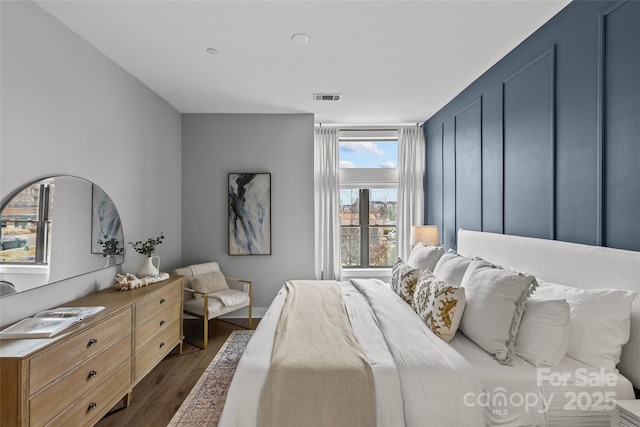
210 305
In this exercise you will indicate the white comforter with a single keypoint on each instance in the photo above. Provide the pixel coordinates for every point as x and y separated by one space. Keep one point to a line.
420 380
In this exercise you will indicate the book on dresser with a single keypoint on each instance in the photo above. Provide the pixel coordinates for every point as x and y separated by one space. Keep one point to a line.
48 323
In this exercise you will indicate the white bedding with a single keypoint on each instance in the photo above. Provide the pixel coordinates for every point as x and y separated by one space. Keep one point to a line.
427 400
416 387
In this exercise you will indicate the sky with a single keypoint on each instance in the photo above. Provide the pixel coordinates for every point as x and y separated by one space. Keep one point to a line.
368 154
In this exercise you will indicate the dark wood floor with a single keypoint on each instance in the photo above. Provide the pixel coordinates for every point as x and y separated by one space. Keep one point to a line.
158 396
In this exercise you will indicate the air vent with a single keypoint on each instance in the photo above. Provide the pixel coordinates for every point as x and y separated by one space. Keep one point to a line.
327 96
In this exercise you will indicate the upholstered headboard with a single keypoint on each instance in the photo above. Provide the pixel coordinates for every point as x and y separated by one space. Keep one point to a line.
571 264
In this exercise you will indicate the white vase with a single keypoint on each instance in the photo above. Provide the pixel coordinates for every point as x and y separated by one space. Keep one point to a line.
148 269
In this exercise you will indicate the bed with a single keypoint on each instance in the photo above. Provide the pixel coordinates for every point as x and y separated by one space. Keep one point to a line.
421 379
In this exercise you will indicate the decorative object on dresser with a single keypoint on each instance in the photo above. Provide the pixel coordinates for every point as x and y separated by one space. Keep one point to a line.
147 248
209 294
48 323
129 281
249 214
76 377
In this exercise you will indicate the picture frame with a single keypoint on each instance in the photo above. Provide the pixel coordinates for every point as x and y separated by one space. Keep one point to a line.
249 213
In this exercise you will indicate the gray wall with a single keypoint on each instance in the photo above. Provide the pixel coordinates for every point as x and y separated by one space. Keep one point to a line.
68 109
217 144
546 143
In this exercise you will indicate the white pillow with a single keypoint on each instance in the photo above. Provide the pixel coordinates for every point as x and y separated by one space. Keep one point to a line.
451 268
425 257
544 332
495 302
600 322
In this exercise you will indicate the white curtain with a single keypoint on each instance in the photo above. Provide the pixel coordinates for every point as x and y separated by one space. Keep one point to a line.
411 166
328 265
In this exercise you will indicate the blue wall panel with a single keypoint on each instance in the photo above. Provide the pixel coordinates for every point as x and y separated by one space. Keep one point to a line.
560 141
528 123
468 147
433 185
621 33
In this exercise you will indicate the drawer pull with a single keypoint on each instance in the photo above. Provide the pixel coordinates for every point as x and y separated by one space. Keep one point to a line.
92 406
161 344
162 322
162 300
92 374
92 342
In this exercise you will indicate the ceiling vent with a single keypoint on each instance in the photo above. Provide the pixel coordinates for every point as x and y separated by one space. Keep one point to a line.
327 96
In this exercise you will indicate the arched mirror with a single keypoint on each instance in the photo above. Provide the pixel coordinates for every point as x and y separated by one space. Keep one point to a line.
54 229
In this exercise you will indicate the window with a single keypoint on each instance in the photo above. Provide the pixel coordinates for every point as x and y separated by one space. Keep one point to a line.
25 229
368 198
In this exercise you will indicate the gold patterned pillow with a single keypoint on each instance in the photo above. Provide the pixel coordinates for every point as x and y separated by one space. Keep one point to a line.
439 304
404 279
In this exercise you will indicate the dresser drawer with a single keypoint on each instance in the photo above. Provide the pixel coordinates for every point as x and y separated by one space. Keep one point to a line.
157 349
58 359
98 401
157 324
66 391
158 301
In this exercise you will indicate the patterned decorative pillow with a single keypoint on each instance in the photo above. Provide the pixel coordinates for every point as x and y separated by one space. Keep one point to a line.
404 279
439 304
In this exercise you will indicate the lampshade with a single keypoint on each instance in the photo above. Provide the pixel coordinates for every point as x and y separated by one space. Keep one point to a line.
427 234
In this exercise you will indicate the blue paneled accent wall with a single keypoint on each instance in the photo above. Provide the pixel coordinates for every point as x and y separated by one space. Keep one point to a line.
546 143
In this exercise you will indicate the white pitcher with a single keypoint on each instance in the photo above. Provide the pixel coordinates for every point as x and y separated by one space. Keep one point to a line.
148 269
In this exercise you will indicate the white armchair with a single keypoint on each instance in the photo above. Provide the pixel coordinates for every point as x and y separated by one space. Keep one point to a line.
210 306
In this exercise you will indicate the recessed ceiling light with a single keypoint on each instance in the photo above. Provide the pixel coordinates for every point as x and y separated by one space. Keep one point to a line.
212 51
299 38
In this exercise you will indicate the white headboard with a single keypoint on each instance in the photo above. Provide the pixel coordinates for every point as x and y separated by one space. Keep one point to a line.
571 264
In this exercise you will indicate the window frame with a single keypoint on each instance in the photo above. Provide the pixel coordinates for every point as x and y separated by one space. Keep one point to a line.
365 180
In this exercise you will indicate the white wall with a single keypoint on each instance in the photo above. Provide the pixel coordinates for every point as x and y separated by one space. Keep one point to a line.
217 144
68 109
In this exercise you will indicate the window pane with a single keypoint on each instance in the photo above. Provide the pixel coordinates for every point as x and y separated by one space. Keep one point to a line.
368 154
350 246
19 227
349 206
382 246
382 206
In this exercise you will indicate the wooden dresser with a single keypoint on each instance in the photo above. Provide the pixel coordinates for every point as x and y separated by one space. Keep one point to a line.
75 378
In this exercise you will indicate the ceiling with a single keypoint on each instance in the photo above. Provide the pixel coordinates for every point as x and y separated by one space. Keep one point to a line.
393 61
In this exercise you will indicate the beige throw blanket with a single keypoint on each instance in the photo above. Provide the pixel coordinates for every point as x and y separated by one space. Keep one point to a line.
319 375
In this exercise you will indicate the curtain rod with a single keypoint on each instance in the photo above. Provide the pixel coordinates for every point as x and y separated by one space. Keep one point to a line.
367 125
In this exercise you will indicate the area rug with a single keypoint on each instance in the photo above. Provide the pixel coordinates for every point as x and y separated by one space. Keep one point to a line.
203 406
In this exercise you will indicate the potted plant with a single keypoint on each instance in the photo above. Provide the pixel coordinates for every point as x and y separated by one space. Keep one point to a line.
147 248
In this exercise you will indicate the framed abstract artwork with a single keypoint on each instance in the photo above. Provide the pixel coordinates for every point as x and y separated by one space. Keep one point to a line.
105 220
249 214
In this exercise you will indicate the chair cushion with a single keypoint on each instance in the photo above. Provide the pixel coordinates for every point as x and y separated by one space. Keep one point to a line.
208 283
216 308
